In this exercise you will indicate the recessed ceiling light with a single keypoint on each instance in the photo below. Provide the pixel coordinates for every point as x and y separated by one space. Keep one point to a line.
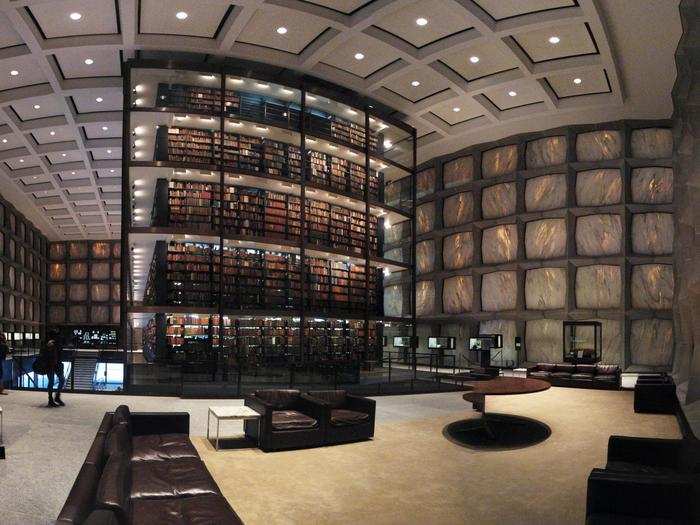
75 16
104 128
72 173
456 109
577 81
89 61
109 152
4 141
99 99
63 154
554 39
421 21
21 160
111 171
181 15
37 106
14 72
474 59
359 56
415 83
512 93
281 30
52 133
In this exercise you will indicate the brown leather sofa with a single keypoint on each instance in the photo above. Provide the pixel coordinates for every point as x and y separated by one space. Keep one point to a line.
345 417
143 469
287 420
600 376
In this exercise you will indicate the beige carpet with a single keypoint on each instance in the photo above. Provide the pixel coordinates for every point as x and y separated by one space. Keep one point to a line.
411 474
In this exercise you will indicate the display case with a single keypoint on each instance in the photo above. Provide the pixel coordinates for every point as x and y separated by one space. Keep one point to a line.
582 341
264 217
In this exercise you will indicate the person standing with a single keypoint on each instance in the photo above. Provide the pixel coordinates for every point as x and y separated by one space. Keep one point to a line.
54 371
4 350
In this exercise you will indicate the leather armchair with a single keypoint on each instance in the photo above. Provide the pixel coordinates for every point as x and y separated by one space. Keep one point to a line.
655 395
646 480
287 420
345 417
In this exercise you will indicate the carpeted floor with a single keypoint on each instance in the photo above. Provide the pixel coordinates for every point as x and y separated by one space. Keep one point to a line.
408 474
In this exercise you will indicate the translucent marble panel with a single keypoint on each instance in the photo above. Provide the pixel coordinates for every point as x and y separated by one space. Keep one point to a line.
57 271
397 254
425 218
598 286
499 244
545 289
116 270
57 314
116 250
598 235
99 314
396 301
457 209
425 257
397 232
99 292
77 314
457 294
652 143
99 270
77 250
498 200
599 145
543 342
652 185
545 239
598 187
57 250
425 298
116 314
545 193
77 271
548 151
651 342
499 291
77 292
115 292
499 161
652 233
457 251
57 293
457 172
100 250
612 341
652 286
508 330
425 183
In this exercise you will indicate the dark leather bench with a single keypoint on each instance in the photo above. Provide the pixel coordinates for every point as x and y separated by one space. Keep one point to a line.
655 394
599 376
143 469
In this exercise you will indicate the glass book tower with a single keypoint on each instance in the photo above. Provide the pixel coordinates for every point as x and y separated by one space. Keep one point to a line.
263 214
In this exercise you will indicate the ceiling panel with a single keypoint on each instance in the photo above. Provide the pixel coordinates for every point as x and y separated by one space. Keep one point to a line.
526 92
89 103
103 130
266 26
64 156
107 153
10 141
20 71
38 107
500 9
344 6
444 18
574 40
203 17
54 134
376 56
103 62
97 17
466 107
8 35
579 83
429 83
25 161
480 60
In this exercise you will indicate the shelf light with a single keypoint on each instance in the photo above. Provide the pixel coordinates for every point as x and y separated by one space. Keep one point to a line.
262 128
262 85
237 80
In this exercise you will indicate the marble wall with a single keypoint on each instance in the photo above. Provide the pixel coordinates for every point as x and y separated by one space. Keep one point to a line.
550 233
425 183
651 342
506 328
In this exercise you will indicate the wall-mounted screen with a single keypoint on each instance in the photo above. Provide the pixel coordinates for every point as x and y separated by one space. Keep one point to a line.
447 343
402 342
475 343
496 339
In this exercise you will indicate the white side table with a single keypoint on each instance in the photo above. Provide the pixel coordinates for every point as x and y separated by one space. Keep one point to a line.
520 372
228 413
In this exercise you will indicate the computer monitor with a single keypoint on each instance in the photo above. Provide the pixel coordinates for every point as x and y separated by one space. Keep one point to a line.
475 343
446 343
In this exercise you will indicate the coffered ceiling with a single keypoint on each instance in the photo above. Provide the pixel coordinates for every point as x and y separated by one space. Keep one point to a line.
460 71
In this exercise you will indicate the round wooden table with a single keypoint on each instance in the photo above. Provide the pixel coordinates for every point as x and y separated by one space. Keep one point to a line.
499 431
